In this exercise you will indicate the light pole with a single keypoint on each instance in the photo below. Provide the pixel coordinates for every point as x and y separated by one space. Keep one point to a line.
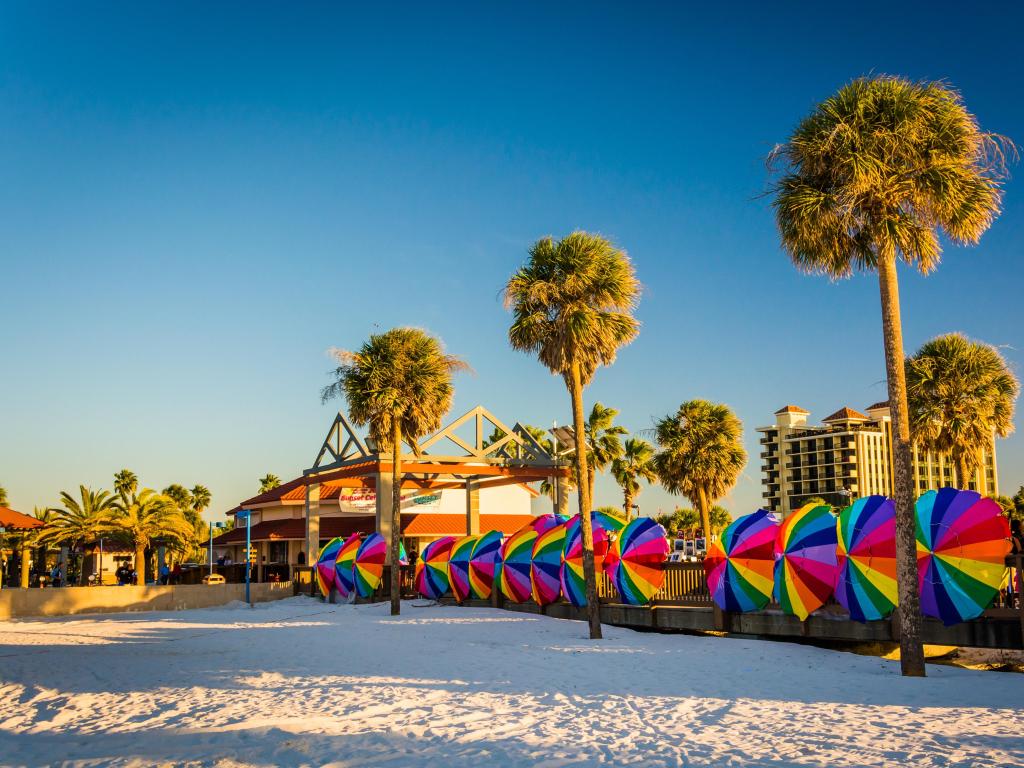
2 563
212 526
247 514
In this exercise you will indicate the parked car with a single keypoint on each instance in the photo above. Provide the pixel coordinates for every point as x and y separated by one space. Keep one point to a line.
213 578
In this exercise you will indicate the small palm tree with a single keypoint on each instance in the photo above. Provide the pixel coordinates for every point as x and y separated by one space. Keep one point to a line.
572 306
80 521
872 176
147 517
701 455
603 441
635 464
126 483
269 482
961 395
400 384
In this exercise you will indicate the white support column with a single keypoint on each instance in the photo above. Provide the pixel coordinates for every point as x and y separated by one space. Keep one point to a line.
312 523
472 507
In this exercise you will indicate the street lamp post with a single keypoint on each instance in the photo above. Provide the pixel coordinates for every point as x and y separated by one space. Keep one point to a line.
247 514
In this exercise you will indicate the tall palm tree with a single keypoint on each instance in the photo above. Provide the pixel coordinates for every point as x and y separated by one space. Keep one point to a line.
400 384
572 306
149 516
701 455
80 521
269 482
635 464
603 443
874 175
960 395
126 483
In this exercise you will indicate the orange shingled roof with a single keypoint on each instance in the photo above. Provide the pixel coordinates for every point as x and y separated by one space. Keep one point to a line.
791 409
16 521
880 404
434 524
846 414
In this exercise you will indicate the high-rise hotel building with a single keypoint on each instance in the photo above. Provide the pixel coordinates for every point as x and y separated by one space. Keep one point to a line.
848 456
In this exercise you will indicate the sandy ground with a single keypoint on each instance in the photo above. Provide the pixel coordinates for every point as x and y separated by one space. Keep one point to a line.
299 682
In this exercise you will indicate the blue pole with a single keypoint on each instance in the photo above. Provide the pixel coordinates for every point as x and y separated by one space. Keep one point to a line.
248 555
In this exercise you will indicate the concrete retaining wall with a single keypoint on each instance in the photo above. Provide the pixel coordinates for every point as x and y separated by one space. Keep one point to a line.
20 603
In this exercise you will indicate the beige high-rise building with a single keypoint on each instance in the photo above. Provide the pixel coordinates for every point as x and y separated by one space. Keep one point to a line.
848 456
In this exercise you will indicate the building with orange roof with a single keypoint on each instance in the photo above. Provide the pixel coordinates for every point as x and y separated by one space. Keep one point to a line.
456 482
848 456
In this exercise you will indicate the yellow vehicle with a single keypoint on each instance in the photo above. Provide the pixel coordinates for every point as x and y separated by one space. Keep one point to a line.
213 578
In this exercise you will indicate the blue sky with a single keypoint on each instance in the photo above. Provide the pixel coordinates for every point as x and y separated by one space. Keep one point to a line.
200 199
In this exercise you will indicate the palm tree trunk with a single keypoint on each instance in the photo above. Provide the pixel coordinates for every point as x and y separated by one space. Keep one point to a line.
396 515
911 647
627 502
963 472
704 508
140 563
586 527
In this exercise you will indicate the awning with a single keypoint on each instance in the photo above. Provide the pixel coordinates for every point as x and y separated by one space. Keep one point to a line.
16 521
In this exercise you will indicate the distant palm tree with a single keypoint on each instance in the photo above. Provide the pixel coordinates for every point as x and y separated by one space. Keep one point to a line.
572 306
43 515
603 441
126 483
400 384
149 516
200 499
3 497
635 464
701 455
961 395
872 176
269 482
80 521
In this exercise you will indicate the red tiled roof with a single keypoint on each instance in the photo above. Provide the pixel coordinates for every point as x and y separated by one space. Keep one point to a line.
16 521
790 409
845 414
881 404
417 524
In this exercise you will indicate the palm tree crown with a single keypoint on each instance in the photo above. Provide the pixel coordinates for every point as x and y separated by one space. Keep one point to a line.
878 169
80 521
701 454
3 496
269 482
126 483
200 498
603 440
961 394
635 464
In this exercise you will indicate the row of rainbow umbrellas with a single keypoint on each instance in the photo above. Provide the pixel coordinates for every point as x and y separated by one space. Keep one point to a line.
353 565
962 544
543 561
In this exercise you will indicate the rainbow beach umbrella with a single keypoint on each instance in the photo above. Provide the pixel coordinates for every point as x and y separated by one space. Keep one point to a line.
740 565
432 568
572 579
543 523
485 563
962 544
369 564
325 565
344 580
635 562
458 566
805 560
516 563
866 556
546 565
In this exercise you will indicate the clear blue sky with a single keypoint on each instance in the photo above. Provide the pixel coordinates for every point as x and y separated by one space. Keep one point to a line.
199 199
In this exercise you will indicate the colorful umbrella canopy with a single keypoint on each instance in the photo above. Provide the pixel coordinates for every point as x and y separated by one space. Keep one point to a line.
572 578
516 563
403 557
962 544
635 562
458 566
485 564
546 566
325 565
866 556
369 564
805 560
543 523
741 563
344 579
432 568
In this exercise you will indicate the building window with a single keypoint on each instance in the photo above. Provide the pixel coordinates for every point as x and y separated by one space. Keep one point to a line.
279 552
